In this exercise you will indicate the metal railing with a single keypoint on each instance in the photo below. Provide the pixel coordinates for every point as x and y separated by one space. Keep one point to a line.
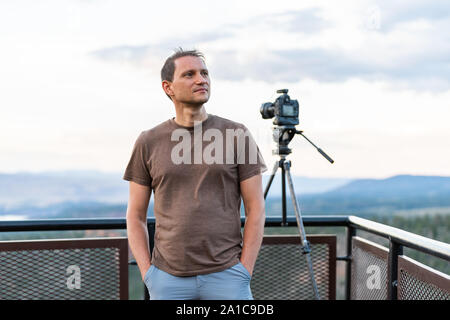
398 239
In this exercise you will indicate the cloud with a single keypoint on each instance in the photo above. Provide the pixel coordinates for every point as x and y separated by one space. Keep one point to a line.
160 50
290 66
401 49
124 53
394 13
307 20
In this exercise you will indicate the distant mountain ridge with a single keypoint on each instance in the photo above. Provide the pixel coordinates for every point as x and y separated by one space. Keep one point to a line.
382 196
408 185
46 188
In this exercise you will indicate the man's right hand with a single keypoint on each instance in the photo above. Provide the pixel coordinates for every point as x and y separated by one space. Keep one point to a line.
143 273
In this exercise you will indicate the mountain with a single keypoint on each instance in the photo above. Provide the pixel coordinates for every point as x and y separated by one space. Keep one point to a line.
43 189
375 196
304 185
401 185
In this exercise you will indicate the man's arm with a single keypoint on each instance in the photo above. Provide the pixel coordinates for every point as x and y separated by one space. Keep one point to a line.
252 194
137 225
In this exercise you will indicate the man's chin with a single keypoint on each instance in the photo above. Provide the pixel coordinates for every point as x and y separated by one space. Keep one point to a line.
197 102
204 100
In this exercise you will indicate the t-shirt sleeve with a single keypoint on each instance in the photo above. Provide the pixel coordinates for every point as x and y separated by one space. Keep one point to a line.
138 170
250 159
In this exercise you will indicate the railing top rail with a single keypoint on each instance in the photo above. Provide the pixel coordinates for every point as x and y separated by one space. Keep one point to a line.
63 224
408 239
120 223
309 221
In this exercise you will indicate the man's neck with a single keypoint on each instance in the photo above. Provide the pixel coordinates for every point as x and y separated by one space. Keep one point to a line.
187 115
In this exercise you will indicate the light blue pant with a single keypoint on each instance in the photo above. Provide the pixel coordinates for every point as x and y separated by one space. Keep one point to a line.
230 284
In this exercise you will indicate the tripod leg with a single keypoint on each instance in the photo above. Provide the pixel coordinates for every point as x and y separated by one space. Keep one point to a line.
305 244
283 193
274 171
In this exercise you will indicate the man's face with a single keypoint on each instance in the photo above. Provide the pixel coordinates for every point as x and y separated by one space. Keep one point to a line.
191 84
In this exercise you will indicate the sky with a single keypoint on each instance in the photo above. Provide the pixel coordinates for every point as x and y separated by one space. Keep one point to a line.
79 79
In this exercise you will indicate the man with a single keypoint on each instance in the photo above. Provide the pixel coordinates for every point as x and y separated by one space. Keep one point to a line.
199 251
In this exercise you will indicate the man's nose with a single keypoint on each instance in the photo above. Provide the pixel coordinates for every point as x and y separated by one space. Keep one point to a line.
201 79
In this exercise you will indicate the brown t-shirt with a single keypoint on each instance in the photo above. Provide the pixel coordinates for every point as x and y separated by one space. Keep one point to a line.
195 173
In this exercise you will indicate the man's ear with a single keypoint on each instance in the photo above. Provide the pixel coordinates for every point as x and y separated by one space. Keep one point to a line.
166 85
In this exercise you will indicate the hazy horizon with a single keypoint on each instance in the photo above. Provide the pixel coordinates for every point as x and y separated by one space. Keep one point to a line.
265 174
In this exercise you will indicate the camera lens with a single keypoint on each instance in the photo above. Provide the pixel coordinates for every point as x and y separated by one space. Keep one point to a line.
267 110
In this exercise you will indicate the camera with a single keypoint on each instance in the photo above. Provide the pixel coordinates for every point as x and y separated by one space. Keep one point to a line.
284 109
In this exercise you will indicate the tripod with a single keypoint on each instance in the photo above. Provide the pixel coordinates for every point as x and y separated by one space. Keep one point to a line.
283 135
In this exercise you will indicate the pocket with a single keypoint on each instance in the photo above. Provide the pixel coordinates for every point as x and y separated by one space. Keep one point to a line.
244 270
148 273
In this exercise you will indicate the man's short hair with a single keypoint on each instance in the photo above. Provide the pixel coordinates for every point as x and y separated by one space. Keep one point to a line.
168 68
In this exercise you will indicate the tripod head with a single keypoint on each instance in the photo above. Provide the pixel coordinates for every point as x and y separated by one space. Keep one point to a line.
283 135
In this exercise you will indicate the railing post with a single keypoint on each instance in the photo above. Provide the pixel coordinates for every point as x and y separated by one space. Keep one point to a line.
395 249
351 232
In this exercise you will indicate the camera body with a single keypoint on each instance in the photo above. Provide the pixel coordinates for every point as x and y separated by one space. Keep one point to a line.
284 110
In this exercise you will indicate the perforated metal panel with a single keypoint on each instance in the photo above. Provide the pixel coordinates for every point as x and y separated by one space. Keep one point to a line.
417 281
72 269
281 271
369 270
